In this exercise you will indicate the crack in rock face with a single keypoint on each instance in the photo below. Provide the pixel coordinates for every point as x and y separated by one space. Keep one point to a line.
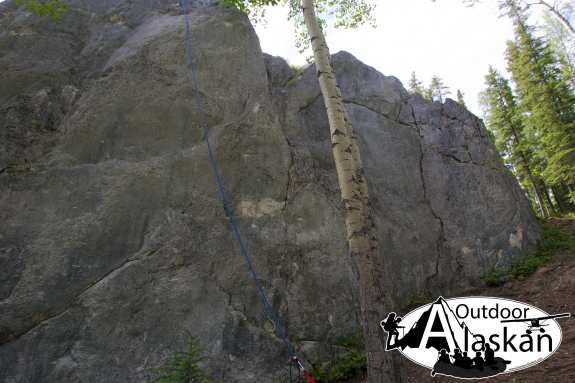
114 236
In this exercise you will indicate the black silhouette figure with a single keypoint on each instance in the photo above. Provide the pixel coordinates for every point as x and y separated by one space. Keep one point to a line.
390 325
489 355
457 358
412 337
444 357
478 361
466 361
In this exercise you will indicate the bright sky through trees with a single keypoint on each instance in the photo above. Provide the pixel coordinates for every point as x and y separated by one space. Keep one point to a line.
445 38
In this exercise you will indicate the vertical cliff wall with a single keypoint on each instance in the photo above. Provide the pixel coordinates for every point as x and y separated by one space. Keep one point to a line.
113 237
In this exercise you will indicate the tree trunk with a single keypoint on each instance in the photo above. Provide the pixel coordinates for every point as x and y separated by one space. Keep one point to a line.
559 198
536 191
375 303
558 16
547 196
527 170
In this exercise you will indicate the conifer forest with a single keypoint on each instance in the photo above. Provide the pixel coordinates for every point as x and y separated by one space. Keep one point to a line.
531 115
530 111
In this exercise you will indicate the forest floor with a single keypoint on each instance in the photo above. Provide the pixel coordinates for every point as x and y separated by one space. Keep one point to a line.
552 289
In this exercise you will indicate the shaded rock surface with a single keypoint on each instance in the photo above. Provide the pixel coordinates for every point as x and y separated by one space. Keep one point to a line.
114 238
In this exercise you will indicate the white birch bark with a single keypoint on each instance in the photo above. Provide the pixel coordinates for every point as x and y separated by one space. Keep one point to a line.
374 301
558 16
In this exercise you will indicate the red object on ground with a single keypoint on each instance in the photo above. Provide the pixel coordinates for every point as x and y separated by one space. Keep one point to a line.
308 377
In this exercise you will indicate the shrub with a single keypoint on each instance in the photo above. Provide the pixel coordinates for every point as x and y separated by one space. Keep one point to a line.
348 365
182 366
354 340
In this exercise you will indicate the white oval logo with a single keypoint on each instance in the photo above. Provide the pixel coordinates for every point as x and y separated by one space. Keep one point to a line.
474 337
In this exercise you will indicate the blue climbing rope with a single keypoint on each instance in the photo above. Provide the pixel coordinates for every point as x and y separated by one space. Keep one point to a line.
294 363
222 189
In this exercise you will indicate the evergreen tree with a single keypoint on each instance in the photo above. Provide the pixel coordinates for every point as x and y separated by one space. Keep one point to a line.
415 86
427 94
437 90
182 366
460 98
548 105
504 120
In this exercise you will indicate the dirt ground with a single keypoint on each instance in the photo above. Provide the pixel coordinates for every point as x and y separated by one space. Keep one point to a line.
551 289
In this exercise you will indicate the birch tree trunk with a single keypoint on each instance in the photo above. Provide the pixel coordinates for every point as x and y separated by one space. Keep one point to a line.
558 16
375 302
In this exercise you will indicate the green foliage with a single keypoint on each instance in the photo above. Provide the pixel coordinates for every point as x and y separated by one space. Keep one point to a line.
427 94
319 374
345 13
414 85
45 8
534 124
547 102
460 98
354 340
437 90
415 301
18 170
560 40
182 366
505 122
524 267
296 72
552 242
494 277
347 366
255 9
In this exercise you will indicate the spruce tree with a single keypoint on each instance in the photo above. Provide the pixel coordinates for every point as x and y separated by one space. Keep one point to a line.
437 90
548 105
182 366
460 98
415 86
505 121
427 94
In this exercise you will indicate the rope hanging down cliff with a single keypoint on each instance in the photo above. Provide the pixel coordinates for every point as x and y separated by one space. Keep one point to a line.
294 359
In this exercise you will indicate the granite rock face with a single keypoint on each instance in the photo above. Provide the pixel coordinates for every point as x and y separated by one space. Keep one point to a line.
114 238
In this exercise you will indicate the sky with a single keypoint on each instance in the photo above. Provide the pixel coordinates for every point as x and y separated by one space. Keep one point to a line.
443 38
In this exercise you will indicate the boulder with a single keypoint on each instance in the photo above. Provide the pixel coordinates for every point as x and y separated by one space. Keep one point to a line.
279 71
114 237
